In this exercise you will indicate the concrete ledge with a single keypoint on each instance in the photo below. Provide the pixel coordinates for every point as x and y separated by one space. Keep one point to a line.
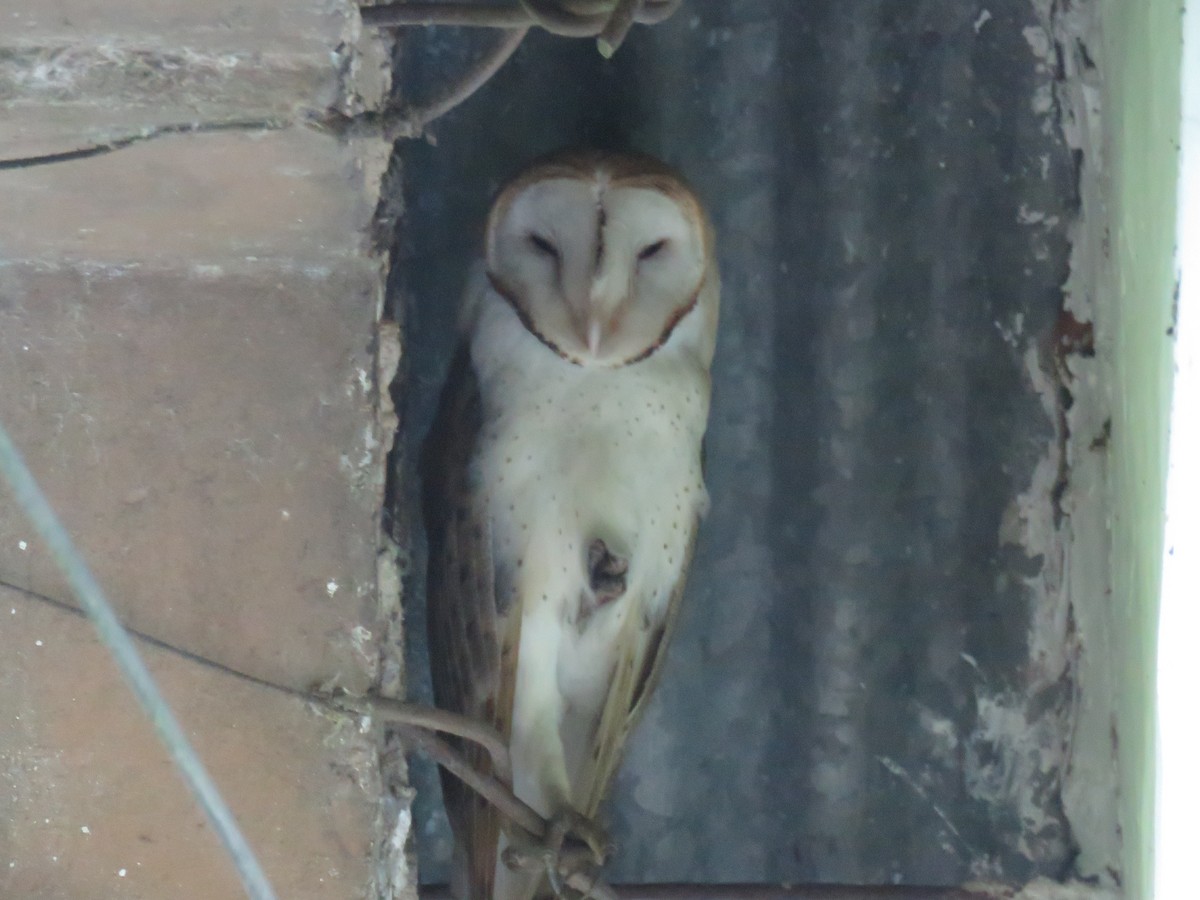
204 199
211 443
92 807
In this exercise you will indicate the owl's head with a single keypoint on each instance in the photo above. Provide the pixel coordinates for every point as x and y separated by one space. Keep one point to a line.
604 257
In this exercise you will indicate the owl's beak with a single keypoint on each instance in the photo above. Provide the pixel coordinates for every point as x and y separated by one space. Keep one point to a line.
594 332
603 300
591 325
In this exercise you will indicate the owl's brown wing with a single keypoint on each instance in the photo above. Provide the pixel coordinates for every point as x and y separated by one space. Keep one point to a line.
472 644
638 669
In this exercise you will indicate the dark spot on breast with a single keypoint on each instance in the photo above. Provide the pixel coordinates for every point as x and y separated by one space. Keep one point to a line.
606 573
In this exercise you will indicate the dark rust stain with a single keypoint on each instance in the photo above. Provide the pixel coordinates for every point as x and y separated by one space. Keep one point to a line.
1072 337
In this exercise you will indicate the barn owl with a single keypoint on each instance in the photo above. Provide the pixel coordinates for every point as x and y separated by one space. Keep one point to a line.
563 483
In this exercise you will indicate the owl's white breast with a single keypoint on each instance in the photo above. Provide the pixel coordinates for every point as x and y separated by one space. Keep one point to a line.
570 454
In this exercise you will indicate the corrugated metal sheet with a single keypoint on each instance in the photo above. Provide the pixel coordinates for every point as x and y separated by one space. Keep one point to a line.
847 697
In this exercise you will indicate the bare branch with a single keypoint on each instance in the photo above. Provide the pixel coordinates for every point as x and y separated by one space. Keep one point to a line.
394 15
415 121
497 794
609 22
555 16
399 713
502 798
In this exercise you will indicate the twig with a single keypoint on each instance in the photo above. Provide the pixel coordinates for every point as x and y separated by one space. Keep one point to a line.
414 122
475 15
399 713
500 796
410 122
610 25
555 16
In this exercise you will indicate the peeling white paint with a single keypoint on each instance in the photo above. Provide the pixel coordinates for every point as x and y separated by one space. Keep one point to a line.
1012 334
1027 216
397 842
1039 42
1061 517
1043 100
1045 889
360 638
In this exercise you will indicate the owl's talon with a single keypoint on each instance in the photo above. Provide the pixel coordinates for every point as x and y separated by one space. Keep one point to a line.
569 828
567 872
576 846
573 846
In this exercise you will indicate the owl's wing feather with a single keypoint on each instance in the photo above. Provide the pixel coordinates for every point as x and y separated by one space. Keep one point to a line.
635 676
473 646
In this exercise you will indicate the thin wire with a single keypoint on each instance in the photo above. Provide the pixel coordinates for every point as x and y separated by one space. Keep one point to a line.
120 645
148 134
